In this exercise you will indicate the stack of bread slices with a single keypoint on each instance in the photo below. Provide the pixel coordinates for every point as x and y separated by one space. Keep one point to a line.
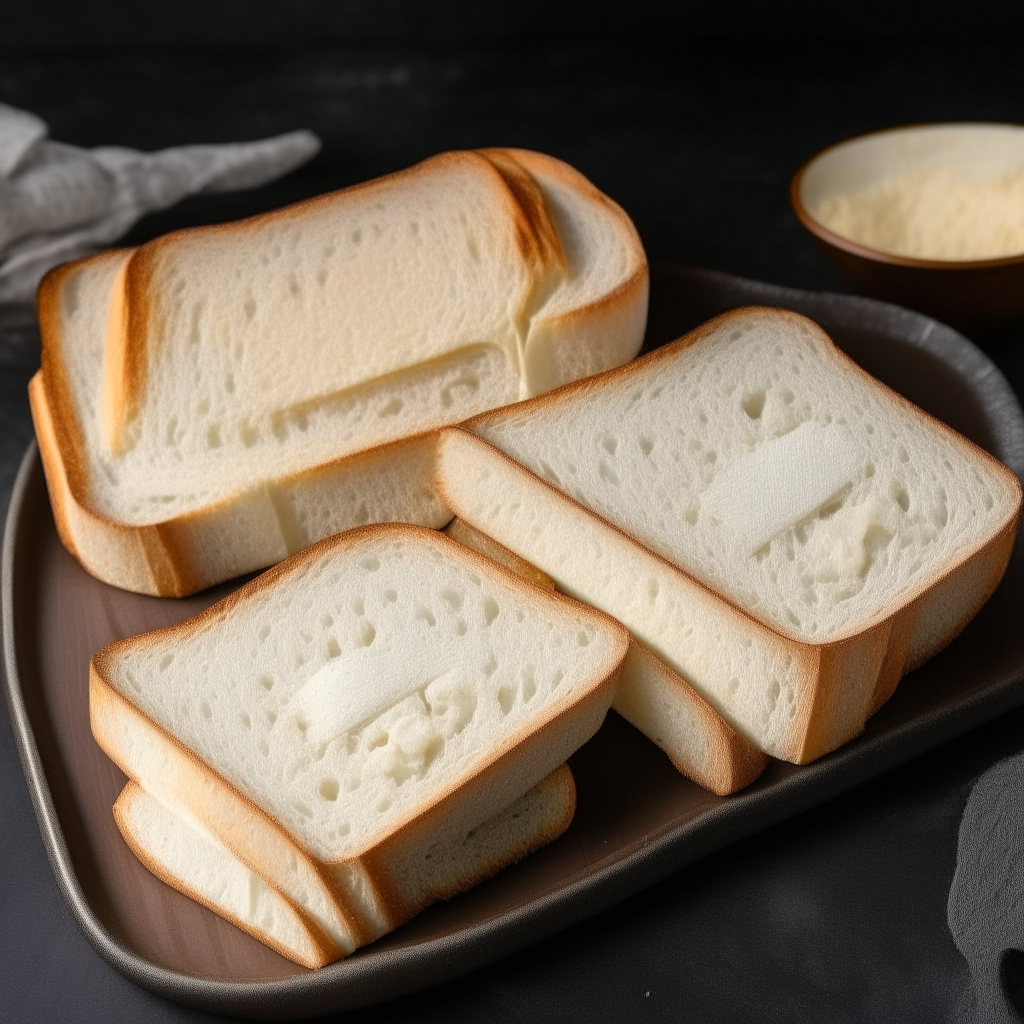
740 541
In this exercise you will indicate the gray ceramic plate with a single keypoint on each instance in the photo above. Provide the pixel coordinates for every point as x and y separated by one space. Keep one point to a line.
637 819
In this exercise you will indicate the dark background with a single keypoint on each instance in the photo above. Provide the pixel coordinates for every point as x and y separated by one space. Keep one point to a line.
694 121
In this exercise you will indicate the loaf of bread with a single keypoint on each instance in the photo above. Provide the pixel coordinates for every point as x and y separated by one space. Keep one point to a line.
346 720
222 397
779 528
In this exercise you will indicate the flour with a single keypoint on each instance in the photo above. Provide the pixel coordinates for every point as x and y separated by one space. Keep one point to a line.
937 214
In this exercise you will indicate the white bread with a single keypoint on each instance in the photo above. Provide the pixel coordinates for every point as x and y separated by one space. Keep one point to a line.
219 398
343 716
778 527
653 698
182 853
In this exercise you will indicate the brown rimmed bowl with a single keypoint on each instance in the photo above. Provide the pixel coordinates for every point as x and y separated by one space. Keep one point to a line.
975 296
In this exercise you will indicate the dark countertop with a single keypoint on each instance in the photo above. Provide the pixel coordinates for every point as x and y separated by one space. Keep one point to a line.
839 914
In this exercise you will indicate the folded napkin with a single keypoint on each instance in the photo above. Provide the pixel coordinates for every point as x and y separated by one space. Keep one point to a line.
60 202
986 899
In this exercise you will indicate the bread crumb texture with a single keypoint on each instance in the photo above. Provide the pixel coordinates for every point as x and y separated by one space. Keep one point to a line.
766 465
355 692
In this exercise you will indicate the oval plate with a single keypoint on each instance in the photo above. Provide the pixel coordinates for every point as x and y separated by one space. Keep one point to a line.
637 819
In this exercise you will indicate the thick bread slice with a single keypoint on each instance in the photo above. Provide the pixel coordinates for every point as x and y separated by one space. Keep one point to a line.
658 701
778 527
181 853
337 718
250 374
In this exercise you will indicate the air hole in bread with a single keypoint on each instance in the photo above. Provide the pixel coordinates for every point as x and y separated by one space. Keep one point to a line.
247 434
607 473
371 564
333 648
424 613
491 610
166 661
506 698
453 598
367 634
490 666
392 408
329 789
898 493
582 639
390 595
245 719
205 709
357 606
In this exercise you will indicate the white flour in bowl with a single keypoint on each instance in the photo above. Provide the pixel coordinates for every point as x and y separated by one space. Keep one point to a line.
936 213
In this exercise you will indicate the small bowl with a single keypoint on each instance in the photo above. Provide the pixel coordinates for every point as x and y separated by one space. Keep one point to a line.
975 296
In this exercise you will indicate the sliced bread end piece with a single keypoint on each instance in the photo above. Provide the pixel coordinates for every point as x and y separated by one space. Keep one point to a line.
185 856
189 859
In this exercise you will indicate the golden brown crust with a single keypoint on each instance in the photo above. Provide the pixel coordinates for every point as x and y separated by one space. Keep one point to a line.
628 290
538 239
325 951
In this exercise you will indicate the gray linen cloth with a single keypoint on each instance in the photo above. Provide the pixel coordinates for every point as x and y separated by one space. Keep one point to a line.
986 900
61 202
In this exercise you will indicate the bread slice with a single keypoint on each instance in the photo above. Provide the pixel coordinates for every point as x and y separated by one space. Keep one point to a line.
219 398
184 855
347 714
650 696
779 528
